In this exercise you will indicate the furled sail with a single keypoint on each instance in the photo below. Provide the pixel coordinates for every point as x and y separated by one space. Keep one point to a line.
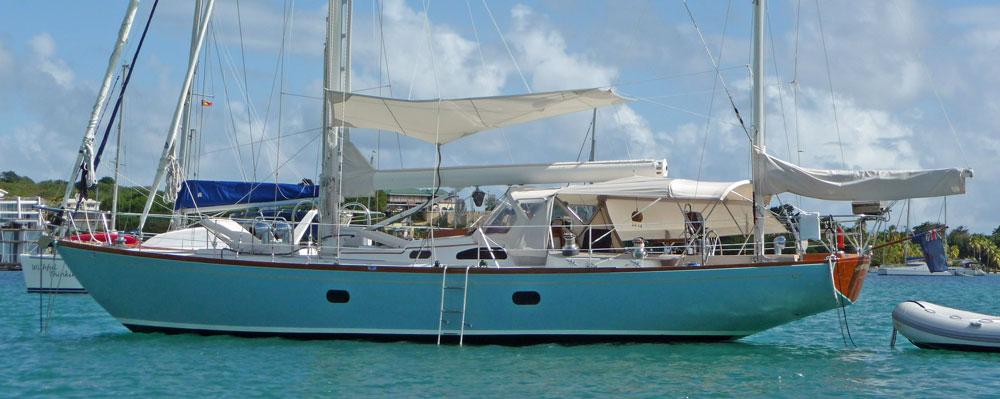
444 121
210 195
362 179
778 176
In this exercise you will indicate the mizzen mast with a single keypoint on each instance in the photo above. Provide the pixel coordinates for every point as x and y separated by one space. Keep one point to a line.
757 123
336 78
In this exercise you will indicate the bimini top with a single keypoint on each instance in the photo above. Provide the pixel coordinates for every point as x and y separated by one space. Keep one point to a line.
727 207
442 121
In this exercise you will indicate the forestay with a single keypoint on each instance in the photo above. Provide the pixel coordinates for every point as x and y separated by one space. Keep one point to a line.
444 121
778 176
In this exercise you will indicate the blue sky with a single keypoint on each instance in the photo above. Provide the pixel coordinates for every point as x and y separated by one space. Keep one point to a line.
886 61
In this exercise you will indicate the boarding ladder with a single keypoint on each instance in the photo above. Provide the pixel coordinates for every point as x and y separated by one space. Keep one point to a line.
451 309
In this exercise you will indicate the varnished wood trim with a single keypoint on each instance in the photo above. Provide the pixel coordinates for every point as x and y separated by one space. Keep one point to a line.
413 269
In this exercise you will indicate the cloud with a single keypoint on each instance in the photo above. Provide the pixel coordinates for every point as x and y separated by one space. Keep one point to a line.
544 56
870 138
44 48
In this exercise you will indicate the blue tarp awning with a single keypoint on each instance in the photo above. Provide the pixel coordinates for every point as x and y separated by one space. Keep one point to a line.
210 193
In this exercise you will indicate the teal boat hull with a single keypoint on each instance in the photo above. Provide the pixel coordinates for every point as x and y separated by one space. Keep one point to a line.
150 292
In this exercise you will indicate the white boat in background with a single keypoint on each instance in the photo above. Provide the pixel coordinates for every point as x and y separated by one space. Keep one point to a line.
932 326
42 269
967 269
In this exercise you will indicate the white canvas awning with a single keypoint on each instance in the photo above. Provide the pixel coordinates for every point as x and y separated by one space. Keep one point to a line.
778 176
444 121
726 206
658 187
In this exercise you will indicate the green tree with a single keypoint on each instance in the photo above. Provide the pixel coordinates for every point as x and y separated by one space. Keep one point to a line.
491 201
995 237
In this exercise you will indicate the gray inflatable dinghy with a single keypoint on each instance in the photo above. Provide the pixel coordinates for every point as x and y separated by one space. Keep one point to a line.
933 326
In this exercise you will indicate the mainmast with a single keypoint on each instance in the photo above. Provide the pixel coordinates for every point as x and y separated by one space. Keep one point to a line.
168 147
757 123
336 77
183 148
118 161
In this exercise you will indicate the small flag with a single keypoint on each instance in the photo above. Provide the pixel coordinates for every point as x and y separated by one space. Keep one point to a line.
932 244
206 103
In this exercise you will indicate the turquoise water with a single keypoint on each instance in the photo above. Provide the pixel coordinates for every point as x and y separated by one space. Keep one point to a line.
86 353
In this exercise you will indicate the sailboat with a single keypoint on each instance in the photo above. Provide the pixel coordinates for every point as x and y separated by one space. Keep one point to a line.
634 256
44 271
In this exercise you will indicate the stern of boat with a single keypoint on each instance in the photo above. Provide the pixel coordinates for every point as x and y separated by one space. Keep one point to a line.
849 274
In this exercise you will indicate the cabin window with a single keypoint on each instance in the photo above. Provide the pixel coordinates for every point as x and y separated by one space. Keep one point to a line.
338 296
526 298
483 253
422 254
532 207
502 218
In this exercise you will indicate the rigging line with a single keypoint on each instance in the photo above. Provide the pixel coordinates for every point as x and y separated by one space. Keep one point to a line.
505 45
229 105
378 59
128 77
482 61
584 143
281 103
690 93
388 74
301 95
234 71
717 71
829 79
937 96
199 118
711 103
437 139
668 77
795 91
951 127
205 77
104 110
679 109
278 65
269 139
243 57
631 41
305 146
777 80
628 149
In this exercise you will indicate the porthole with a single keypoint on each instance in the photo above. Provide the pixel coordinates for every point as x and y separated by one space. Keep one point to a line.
338 296
526 298
483 253
422 254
